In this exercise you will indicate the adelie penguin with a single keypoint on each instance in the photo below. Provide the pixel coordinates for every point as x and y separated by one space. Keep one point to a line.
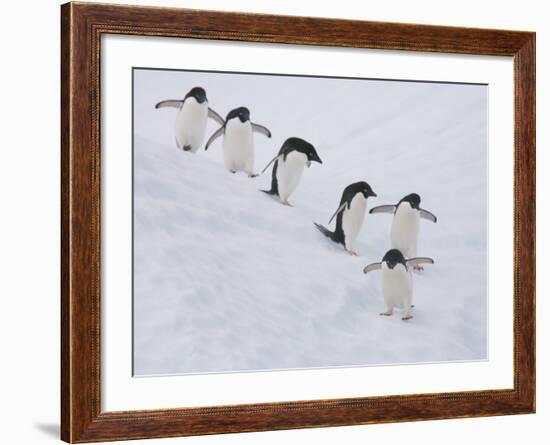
349 215
405 224
238 143
397 280
193 112
288 167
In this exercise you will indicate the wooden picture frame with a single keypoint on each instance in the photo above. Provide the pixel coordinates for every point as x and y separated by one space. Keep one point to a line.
82 25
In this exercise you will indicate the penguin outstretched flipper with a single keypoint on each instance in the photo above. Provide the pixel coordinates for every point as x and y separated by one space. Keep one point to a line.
383 209
214 136
417 262
171 103
372 266
213 115
257 128
428 215
338 210
270 162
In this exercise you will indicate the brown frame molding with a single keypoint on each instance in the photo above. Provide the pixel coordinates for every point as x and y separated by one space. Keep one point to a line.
82 25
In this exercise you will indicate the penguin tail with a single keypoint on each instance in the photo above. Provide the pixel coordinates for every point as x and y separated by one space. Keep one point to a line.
325 231
270 192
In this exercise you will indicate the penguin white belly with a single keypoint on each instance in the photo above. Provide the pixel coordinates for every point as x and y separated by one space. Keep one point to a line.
289 173
238 146
404 230
352 219
190 126
397 286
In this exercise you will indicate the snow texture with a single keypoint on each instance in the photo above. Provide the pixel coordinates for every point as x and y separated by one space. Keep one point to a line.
227 279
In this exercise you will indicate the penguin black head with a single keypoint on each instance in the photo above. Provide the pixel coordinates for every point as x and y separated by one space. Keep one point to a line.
413 199
242 113
198 93
359 187
367 190
393 257
304 147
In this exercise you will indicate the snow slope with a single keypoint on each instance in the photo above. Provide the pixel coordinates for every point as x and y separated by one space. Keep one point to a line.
227 279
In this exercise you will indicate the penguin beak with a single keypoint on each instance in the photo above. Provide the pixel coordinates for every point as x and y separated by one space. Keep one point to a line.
314 158
373 194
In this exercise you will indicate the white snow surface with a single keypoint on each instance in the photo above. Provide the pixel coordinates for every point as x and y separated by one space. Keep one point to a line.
227 279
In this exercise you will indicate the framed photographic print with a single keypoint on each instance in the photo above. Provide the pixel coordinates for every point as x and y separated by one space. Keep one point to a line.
275 222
